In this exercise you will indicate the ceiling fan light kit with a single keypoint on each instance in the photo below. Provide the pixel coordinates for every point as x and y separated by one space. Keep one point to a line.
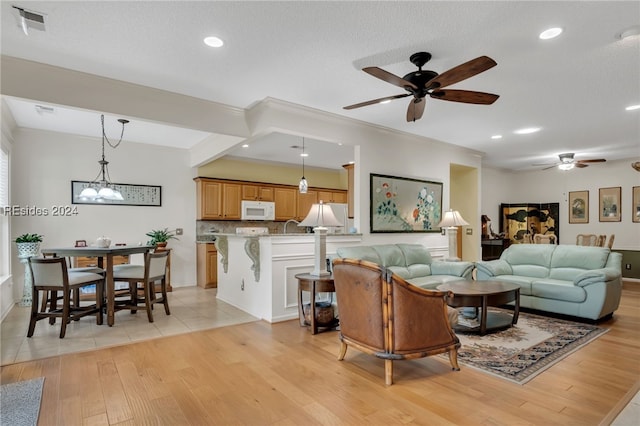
567 162
423 83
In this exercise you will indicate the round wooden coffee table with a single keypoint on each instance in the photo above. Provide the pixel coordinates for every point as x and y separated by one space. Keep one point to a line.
482 294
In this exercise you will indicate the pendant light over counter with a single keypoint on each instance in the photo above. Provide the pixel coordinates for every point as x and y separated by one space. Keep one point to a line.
303 186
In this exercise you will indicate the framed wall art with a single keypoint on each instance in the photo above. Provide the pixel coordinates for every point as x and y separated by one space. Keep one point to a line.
635 204
134 195
579 207
401 204
609 204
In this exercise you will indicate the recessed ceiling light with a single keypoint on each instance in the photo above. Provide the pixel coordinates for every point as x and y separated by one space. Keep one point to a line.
304 154
527 130
246 145
550 33
213 41
496 137
632 107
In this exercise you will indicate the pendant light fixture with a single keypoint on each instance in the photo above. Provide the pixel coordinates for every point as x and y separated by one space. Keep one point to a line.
303 186
101 188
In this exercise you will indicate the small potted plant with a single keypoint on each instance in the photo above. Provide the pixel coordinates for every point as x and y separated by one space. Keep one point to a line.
28 244
160 237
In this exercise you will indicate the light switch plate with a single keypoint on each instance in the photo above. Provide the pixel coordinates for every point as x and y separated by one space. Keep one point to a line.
469 231
179 231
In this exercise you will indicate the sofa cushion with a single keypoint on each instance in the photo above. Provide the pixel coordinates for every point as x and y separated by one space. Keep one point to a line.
569 261
529 260
402 271
359 252
523 282
415 253
549 288
390 254
432 281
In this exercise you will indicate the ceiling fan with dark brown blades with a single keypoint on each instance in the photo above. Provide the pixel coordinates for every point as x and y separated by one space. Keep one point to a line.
421 83
567 162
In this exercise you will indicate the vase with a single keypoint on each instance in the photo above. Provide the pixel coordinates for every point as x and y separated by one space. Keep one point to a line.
25 251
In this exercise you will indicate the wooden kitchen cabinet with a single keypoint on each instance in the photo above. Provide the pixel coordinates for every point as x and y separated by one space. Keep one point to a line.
286 200
257 192
304 203
231 193
209 199
350 188
331 196
207 265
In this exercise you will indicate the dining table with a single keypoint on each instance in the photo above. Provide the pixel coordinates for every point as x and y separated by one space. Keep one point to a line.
101 253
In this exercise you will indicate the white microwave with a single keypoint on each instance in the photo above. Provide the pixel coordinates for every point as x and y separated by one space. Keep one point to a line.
258 210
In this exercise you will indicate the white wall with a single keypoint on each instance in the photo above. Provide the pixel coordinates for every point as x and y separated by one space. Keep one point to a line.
553 185
45 163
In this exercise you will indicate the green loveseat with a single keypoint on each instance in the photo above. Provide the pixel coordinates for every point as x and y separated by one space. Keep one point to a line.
412 262
565 279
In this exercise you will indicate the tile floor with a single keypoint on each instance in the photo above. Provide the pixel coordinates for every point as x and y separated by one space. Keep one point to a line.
192 308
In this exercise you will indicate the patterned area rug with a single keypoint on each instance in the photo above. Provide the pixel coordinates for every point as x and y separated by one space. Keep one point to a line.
520 353
20 402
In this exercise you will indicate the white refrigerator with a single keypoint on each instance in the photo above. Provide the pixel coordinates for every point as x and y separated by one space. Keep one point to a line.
341 213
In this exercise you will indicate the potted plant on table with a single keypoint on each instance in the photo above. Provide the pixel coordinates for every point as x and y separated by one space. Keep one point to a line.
28 245
160 237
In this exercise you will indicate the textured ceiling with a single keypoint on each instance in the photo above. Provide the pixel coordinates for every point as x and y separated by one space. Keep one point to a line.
574 87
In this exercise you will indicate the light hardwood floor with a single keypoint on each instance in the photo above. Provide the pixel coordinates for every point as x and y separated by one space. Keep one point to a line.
279 374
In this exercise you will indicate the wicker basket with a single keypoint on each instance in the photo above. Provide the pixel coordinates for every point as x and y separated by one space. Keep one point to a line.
324 313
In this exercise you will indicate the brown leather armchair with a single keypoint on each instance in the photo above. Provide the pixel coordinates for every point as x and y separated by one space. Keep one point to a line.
383 315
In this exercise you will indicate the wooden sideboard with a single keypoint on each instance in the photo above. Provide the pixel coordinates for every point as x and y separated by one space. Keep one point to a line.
493 248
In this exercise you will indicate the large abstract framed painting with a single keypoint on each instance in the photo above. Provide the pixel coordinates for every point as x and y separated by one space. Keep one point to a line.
635 204
579 207
610 204
401 204
520 222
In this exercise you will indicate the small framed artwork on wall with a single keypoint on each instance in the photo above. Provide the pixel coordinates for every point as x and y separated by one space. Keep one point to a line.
635 204
579 207
610 209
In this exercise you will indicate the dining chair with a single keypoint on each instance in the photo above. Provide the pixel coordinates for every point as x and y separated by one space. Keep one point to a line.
143 279
50 275
46 299
601 241
586 239
545 239
610 243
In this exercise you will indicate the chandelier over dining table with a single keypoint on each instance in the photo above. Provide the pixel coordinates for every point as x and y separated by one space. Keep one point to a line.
101 188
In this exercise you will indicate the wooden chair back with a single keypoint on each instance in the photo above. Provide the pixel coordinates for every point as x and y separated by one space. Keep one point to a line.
586 239
545 239
383 315
610 243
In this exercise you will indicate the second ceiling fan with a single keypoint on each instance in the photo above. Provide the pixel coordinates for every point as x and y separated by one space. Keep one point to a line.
421 83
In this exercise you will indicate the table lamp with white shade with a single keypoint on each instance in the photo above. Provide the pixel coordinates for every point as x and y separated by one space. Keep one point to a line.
451 221
319 217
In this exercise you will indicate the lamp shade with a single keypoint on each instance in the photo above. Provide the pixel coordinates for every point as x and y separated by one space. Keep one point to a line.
320 215
452 219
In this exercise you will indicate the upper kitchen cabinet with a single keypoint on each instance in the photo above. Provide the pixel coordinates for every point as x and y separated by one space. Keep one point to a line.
305 201
286 202
257 192
217 200
329 196
208 199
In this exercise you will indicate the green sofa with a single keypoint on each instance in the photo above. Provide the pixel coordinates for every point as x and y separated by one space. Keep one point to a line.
412 262
565 279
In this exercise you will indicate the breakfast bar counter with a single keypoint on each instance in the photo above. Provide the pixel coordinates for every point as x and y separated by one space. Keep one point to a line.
256 273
